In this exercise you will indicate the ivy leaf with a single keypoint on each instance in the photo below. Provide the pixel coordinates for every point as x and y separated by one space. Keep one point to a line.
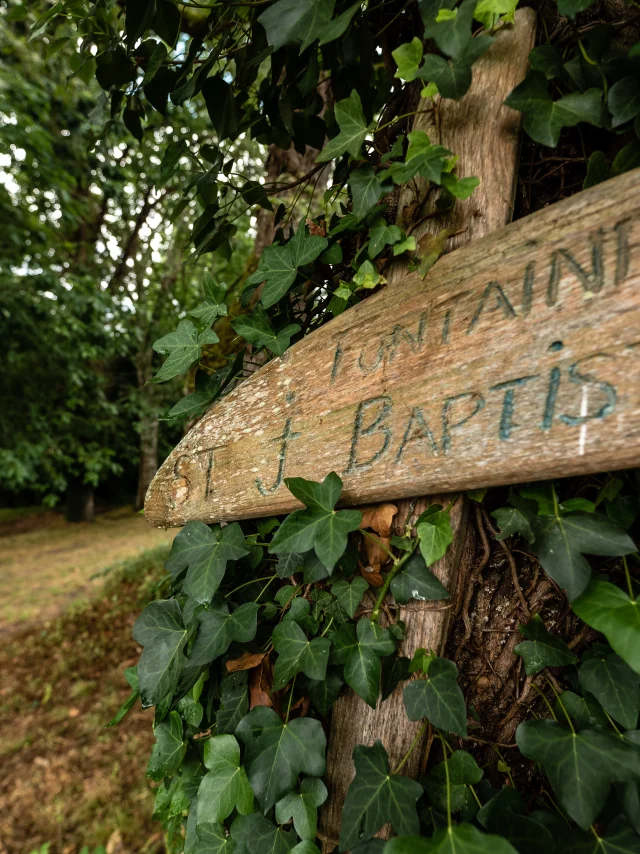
131 675
169 749
541 649
448 783
205 552
325 693
580 766
213 306
160 629
570 8
257 330
438 698
363 668
304 21
545 118
296 654
183 348
211 838
423 158
278 265
266 838
243 832
278 752
302 807
353 129
350 595
434 530
307 847
319 525
408 57
366 189
225 786
585 712
457 839
452 78
490 12
375 797
234 703
453 33
561 541
608 609
382 234
394 670
218 629
288 563
514 520
624 100
615 686
415 581
367 276
619 838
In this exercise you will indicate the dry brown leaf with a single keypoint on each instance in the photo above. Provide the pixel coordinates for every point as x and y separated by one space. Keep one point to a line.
316 229
371 574
379 517
246 661
260 680
376 555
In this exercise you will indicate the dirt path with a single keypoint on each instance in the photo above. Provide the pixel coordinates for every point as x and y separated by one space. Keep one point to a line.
45 571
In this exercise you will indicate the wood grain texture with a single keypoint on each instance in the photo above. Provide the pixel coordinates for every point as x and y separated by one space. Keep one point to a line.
488 149
516 359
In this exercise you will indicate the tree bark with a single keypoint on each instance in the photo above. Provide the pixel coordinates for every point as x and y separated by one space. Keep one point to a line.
147 424
80 502
485 135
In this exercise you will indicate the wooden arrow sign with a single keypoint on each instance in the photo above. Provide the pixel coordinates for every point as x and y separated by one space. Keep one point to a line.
517 358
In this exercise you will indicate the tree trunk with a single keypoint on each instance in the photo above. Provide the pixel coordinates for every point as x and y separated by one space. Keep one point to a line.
485 135
148 456
80 502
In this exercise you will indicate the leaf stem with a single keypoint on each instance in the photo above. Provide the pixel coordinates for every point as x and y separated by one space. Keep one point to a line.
259 596
628 577
247 583
548 704
612 722
380 544
560 703
293 685
419 735
446 772
398 563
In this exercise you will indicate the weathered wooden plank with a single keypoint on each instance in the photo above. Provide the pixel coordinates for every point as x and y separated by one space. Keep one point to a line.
516 359
488 149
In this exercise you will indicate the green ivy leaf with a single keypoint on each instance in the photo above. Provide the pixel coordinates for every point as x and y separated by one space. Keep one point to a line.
438 698
319 525
585 712
211 838
423 158
434 530
257 330
619 838
541 649
131 675
561 541
570 8
395 669
353 129
515 520
306 846
362 665
206 553
367 276
491 12
289 563
580 766
350 595
366 189
325 693
183 348
266 838
296 654
382 234
234 703
277 752
454 37
458 839
278 266
218 629
408 57
615 686
160 630
415 581
375 797
169 749
302 807
545 118
609 610
448 783
451 77
225 786
213 306
624 100
303 21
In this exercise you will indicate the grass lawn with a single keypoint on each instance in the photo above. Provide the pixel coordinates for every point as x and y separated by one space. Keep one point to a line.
65 779
44 571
